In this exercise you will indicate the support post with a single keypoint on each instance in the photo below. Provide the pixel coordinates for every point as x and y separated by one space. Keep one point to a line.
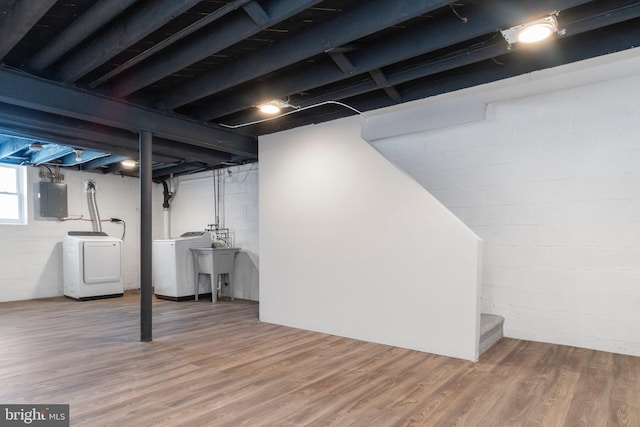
146 182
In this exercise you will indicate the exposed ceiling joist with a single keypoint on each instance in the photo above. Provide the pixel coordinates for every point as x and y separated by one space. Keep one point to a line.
10 145
50 152
102 161
579 22
597 15
26 91
382 82
118 167
519 62
206 42
437 65
481 19
63 130
220 58
178 169
139 23
80 156
83 27
256 13
343 62
350 25
17 18
166 42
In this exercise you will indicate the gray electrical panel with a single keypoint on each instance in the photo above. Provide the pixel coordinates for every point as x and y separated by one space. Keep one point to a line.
53 199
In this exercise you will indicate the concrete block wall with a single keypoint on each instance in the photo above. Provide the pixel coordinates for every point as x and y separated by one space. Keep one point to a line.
551 183
192 209
31 254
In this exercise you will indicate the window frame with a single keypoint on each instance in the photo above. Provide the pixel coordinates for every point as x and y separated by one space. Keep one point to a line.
21 192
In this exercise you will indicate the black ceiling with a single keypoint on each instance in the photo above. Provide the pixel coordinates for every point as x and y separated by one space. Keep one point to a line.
89 74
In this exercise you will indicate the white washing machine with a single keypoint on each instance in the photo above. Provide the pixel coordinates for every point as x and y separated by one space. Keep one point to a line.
92 265
173 269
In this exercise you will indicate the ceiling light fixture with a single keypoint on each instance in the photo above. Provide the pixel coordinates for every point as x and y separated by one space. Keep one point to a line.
274 106
78 154
295 110
128 163
36 146
532 32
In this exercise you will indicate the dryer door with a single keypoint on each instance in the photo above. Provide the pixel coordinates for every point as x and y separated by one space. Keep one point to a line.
102 261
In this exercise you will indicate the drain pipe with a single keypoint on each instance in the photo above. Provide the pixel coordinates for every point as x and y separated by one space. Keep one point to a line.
166 208
93 206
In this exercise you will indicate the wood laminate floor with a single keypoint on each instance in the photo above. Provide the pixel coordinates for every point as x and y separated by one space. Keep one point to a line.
217 365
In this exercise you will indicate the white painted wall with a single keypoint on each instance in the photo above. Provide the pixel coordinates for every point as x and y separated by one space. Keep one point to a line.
560 213
31 255
352 246
192 209
551 182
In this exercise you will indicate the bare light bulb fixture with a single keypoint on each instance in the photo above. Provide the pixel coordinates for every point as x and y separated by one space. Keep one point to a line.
531 32
128 163
269 109
274 106
78 154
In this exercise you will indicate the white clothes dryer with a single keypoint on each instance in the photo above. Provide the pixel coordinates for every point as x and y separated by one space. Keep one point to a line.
92 265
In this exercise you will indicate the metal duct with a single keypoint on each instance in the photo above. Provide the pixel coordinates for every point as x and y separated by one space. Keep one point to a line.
93 206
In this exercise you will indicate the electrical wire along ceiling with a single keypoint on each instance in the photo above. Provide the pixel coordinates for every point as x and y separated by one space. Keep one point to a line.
80 78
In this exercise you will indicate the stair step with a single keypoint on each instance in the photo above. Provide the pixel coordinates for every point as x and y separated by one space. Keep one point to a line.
490 330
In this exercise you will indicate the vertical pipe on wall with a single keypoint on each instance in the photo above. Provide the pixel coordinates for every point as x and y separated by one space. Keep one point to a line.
145 235
93 206
167 194
166 231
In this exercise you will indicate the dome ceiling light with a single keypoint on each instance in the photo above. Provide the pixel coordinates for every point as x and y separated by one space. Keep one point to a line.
531 32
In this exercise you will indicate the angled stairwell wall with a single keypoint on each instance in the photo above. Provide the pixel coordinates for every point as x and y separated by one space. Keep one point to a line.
352 246
551 182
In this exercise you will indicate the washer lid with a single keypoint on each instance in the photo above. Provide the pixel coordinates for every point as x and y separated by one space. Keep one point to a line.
192 234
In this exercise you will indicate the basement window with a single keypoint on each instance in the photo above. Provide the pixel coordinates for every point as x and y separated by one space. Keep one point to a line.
13 194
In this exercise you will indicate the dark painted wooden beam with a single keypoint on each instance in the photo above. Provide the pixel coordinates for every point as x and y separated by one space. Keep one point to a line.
343 62
381 81
483 18
26 91
103 161
123 33
586 18
10 145
80 156
17 18
206 42
50 152
168 41
606 40
25 123
178 169
256 13
361 20
84 26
